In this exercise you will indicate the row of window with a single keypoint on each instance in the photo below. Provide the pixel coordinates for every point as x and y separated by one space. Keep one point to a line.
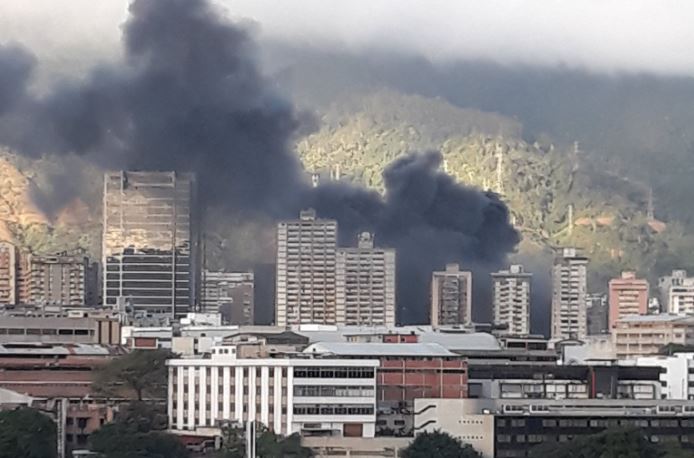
333 391
333 372
333 410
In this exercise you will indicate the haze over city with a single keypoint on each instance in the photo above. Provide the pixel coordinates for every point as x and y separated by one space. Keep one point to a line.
251 228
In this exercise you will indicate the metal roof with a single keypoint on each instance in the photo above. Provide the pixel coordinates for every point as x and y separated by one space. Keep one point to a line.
379 349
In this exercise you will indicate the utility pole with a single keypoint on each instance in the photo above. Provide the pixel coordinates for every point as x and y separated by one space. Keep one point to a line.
250 439
651 207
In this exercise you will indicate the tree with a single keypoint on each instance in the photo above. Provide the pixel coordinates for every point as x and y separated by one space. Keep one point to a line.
438 445
267 444
137 432
143 372
27 433
615 443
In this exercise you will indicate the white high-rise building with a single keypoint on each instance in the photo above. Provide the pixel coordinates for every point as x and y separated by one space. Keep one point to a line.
512 299
306 255
681 293
150 245
365 284
569 289
451 296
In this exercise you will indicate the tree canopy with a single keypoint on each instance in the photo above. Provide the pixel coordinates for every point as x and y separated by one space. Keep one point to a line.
141 373
438 445
27 433
137 432
618 443
268 444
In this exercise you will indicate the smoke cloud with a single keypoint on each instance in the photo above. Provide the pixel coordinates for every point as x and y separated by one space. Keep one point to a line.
188 96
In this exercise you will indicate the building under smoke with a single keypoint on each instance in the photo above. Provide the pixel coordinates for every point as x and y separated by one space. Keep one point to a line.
365 284
569 290
150 241
62 280
306 250
511 299
230 294
451 296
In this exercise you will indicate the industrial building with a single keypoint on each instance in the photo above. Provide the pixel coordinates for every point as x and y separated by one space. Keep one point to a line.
150 242
365 290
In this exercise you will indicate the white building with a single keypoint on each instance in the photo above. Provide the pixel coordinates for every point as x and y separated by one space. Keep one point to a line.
365 288
681 293
569 288
451 296
306 396
512 299
678 378
306 254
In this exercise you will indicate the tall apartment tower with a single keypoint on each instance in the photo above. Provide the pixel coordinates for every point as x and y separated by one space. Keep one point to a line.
365 289
628 295
512 299
681 293
150 242
306 252
60 280
451 296
9 273
569 288
229 293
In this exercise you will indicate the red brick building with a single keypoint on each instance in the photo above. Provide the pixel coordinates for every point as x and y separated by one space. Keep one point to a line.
408 371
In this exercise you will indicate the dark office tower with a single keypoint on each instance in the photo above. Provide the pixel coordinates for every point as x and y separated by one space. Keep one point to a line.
150 242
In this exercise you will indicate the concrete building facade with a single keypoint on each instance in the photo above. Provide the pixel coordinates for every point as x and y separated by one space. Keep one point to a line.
597 311
681 293
307 396
451 296
61 280
511 299
365 289
150 241
628 295
645 335
509 428
306 257
229 293
569 289
677 378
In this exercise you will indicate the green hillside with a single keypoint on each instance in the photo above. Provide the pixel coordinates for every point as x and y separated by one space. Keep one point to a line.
544 186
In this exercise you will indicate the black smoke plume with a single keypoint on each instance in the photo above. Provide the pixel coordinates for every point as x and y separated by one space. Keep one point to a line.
188 96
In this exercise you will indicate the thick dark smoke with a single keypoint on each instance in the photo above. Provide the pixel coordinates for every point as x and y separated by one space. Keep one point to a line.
188 96
430 220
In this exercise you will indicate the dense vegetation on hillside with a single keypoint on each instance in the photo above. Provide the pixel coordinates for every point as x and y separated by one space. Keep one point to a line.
547 187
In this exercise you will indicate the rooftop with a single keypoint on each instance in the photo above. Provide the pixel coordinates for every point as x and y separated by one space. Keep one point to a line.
379 349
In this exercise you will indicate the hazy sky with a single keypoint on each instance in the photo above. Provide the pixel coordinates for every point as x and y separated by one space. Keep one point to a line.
601 35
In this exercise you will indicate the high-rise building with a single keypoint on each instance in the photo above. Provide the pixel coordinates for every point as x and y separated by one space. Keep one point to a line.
596 314
451 296
569 288
150 241
229 293
60 280
306 252
365 291
9 273
512 299
628 296
681 293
